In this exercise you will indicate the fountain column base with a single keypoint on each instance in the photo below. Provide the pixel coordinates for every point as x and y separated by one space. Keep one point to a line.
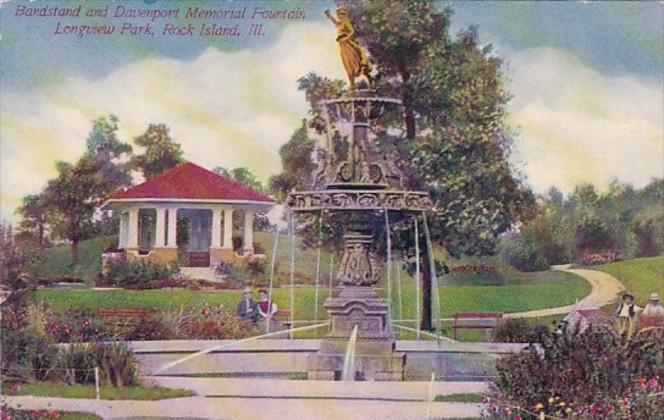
375 355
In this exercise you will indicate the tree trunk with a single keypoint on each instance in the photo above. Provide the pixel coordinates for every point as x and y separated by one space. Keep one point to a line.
74 252
409 114
426 323
41 235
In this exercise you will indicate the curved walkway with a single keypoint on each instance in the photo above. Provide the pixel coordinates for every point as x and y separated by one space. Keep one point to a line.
605 289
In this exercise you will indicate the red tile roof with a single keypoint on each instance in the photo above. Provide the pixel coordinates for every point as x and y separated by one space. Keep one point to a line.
188 181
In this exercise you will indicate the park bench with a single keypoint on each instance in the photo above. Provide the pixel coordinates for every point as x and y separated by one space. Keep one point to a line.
476 320
122 318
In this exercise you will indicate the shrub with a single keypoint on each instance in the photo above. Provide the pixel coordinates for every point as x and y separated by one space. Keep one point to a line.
116 363
214 324
516 330
522 254
256 267
133 273
161 325
602 258
593 374
76 325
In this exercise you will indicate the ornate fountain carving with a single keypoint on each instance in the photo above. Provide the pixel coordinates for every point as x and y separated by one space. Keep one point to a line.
359 180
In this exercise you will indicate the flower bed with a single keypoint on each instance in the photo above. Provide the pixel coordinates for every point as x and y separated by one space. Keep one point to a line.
597 374
601 258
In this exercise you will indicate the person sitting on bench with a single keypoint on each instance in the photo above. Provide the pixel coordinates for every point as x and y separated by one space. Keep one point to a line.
247 308
263 312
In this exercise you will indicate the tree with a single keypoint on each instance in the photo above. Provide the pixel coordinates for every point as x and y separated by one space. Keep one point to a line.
456 141
72 198
161 152
245 177
33 217
12 261
297 163
110 155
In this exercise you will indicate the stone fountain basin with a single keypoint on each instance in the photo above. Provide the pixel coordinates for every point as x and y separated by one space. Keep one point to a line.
288 358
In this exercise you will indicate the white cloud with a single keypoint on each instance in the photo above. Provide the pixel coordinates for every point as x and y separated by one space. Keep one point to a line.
230 109
577 125
238 108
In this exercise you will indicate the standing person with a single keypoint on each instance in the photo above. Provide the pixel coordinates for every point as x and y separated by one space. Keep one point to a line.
653 308
626 314
263 305
247 308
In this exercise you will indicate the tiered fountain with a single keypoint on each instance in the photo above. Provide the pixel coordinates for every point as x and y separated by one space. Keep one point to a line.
359 184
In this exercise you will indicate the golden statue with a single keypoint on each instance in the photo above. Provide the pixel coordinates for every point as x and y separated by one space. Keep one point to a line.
354 58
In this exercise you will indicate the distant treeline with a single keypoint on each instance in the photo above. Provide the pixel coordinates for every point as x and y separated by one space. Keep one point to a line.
588 226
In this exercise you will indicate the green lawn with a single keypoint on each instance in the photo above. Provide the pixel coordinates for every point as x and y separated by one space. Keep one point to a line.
461 398
56 261
641 276
546 290
53 389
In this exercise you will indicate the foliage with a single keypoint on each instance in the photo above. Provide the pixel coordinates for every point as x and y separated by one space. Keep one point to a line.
72 198
256 267
116 363
214 324
108 154
522 253
9 413
454 106
591 374
134 273
33 217
297 163
54 263
517 330
593 227
12 261
603 258
160 154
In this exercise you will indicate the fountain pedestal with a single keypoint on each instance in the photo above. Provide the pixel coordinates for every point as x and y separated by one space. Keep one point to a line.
375 356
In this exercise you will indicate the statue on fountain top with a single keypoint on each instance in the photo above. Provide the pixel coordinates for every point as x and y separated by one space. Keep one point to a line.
353 56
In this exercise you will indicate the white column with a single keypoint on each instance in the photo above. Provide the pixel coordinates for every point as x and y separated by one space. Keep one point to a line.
132 232
216 228
172 228
122 235
249 231
160 229
228 228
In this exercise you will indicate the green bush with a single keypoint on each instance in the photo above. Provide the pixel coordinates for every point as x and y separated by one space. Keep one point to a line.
596 374
135 273
116 363
517 330
521 253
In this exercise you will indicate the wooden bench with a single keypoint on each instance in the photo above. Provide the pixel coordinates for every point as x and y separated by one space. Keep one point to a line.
476 320
117 318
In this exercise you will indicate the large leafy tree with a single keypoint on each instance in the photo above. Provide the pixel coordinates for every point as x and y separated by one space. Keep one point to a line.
161 152
72 198
33 217
109 154
455 142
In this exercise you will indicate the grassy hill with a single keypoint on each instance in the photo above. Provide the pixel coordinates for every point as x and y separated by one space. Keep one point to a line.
56 261
641 276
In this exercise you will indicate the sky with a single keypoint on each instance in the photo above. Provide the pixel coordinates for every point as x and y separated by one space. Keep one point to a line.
586 80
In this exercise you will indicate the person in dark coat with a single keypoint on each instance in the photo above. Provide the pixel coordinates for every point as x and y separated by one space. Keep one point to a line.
247 308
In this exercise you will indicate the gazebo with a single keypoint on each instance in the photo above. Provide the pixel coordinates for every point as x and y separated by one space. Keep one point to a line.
187 207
